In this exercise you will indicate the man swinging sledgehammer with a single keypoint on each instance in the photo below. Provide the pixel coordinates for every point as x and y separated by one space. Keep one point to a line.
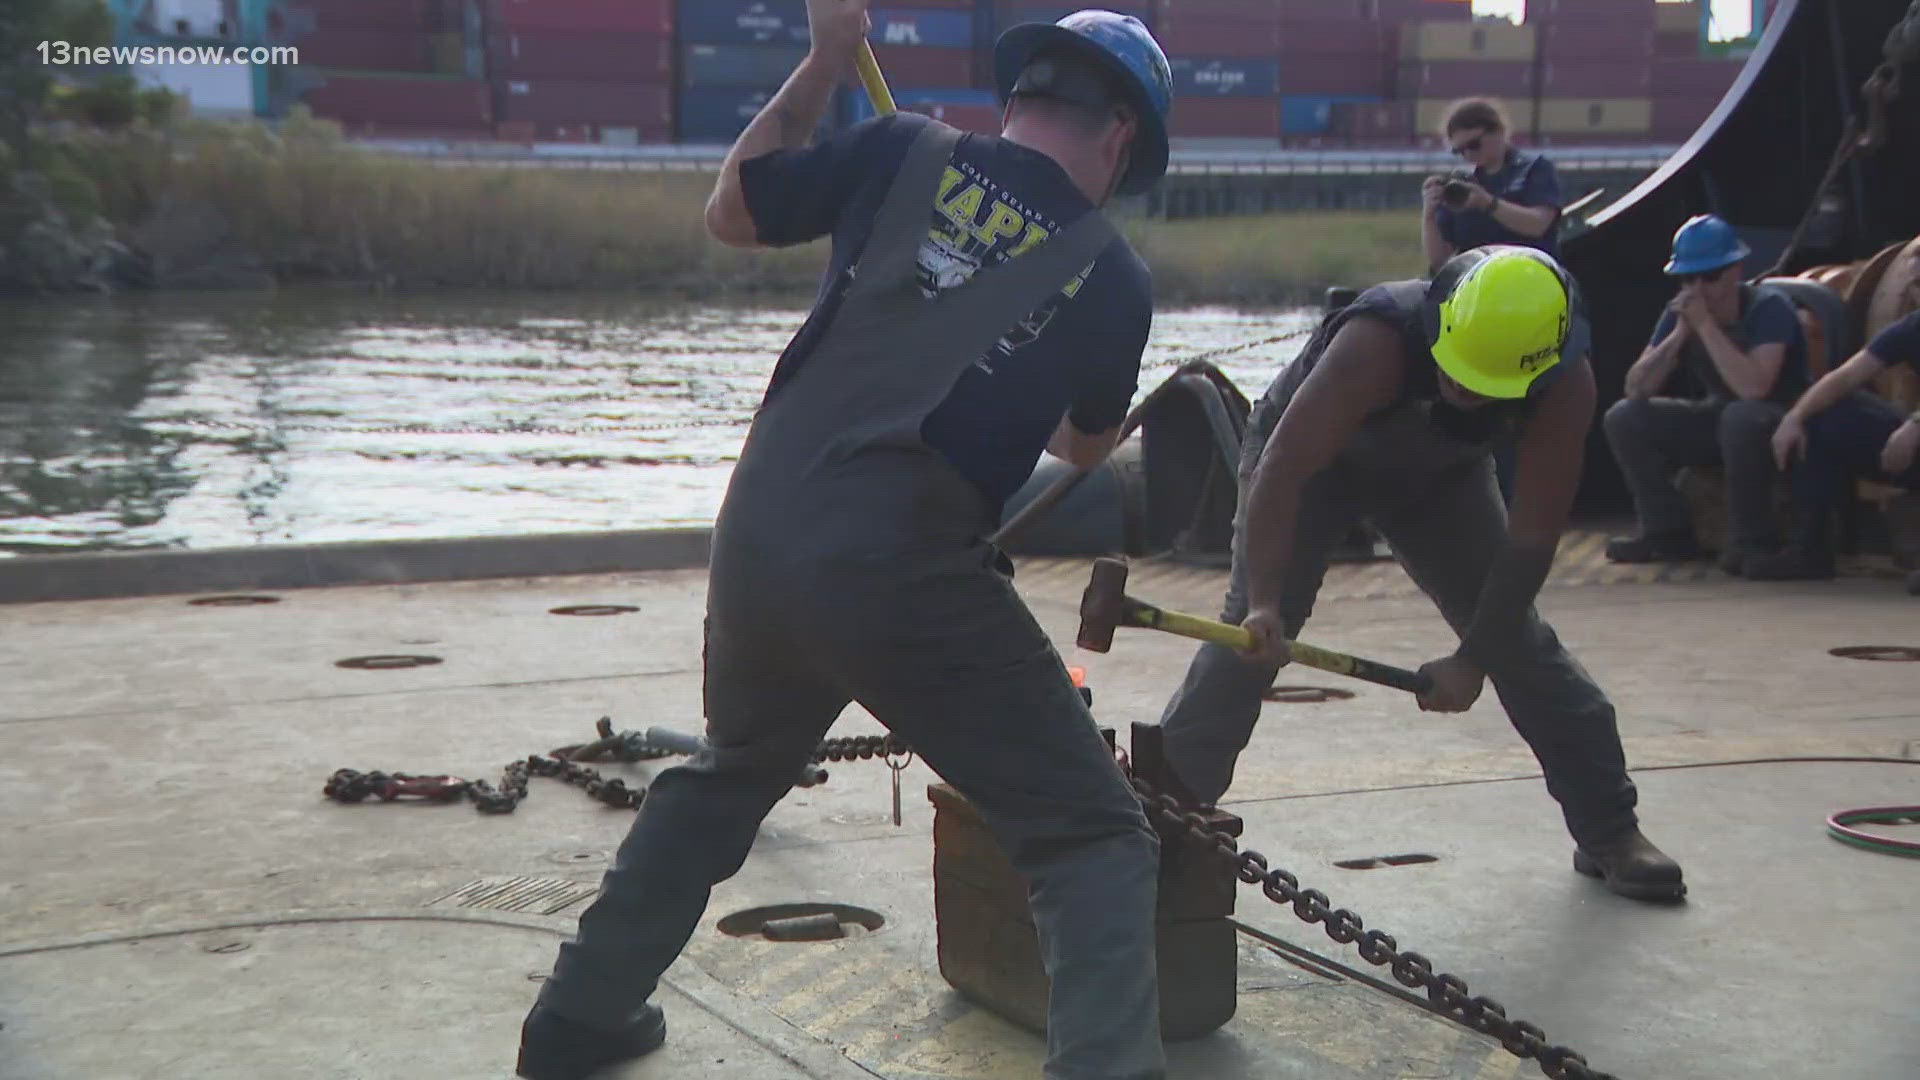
1390 414
979 307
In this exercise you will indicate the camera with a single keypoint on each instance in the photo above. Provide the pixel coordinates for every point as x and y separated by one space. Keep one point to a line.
1456 194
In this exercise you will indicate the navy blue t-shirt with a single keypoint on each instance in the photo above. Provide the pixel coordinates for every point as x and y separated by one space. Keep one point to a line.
1767 317
1899 343
1078 354
1525 180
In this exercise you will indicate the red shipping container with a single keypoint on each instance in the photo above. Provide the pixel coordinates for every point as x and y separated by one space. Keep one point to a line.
1198 37
1395 12
1365 75
365 50
1677 44
1678 117
1593 43
1241 11
642 105
362 14
1695 78
597 133
1463 78
1595 79
926 66
398 100
608 56
1591 12
1372 119
633 16
1225 117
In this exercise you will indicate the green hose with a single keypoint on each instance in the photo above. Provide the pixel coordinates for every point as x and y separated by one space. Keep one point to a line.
1837 827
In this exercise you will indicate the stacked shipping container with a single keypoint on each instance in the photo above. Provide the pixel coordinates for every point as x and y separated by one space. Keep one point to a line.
1293 72
388 67
582 70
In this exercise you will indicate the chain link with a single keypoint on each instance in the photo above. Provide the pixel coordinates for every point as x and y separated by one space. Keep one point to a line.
1449 994
1211 355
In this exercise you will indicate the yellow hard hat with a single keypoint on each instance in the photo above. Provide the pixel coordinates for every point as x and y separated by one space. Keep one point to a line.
1497 317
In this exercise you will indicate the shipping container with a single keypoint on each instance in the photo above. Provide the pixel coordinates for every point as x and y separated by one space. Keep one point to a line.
1012 14
631 16
1464 78
1330 33
399 101
1213 37
855 107
217 91
1596 78
1676 17
1591 43
927 66
718 114
742 22
1676 44
1564 116
1226 117
552 101
740 65
1395 12
311 15
1241 11
1224 77
1313 115
1675 119
1592 12
1430 113
1359 75
1372 121
451 52
1466 41
1698 78
366 49
608 56
935 27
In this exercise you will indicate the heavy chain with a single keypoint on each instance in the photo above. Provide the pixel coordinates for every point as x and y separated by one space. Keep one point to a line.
1448 993
351 786
1211 355
859 748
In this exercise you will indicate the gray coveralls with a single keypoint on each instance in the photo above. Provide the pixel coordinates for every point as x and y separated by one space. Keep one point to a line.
849 565
1431 493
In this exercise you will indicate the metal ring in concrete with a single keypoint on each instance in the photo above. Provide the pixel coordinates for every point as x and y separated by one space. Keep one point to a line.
386 662
1878 652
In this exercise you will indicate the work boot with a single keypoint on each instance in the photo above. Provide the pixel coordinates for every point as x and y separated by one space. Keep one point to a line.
553 1047
1630 865
1676 546
1791 564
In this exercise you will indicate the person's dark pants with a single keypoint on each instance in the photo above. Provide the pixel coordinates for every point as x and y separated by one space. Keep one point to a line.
1653 437
1843 445
1447 526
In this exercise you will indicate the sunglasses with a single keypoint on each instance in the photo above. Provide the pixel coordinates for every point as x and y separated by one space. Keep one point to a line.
1471 146
1705 275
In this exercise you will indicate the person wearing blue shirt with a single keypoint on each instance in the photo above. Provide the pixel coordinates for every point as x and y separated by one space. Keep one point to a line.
1511 197
1841 433
1742 345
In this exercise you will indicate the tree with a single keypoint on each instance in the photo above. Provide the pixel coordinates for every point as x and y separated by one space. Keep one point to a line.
24 80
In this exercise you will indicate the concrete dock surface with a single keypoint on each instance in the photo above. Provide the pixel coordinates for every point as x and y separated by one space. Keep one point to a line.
180 901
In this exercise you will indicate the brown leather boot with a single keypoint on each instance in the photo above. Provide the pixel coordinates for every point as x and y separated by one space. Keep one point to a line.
1630 865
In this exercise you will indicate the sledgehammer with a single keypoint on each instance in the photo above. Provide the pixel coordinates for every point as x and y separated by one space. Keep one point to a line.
1105 607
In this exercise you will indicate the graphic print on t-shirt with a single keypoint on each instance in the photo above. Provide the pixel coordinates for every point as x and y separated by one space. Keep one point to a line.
976 223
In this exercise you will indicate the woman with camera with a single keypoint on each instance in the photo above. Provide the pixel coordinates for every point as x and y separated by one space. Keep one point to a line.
1510 197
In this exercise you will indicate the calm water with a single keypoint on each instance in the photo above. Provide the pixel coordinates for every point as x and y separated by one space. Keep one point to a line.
209 421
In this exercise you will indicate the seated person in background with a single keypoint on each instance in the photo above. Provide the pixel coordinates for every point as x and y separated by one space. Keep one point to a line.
1510 198
1841 434
1744 345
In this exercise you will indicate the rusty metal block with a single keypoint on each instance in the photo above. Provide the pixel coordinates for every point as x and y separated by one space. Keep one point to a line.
989 951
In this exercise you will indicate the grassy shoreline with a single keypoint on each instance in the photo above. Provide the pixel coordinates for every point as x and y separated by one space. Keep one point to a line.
235 205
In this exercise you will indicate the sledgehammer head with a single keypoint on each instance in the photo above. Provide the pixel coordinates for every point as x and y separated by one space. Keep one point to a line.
1103 605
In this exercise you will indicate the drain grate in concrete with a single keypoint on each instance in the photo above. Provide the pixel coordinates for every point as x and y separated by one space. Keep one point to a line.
531 895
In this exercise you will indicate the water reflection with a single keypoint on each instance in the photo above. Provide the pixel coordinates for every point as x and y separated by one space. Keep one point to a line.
206 421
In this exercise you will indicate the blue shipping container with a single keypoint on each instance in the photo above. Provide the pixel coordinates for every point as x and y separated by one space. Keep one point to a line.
858 108
742 22
1225 77
719 114
1313 115
738 65
917 26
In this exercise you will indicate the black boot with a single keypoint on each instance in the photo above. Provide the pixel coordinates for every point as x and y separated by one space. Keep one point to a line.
1630 865
1791 564
553 1047
1678 546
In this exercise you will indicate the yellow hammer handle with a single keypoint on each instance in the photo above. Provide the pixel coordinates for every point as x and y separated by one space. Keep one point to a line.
1237 637
871 78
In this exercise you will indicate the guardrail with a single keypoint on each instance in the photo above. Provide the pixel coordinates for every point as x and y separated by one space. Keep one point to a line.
1184 162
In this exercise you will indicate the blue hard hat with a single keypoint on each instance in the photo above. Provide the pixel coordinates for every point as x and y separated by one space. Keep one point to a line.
1705 244
1121 44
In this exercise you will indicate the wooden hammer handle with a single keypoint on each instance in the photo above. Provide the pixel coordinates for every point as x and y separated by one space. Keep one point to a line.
1312 656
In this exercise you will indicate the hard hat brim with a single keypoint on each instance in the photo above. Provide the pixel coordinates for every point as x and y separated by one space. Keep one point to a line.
1020 44
1509 389
1677 267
